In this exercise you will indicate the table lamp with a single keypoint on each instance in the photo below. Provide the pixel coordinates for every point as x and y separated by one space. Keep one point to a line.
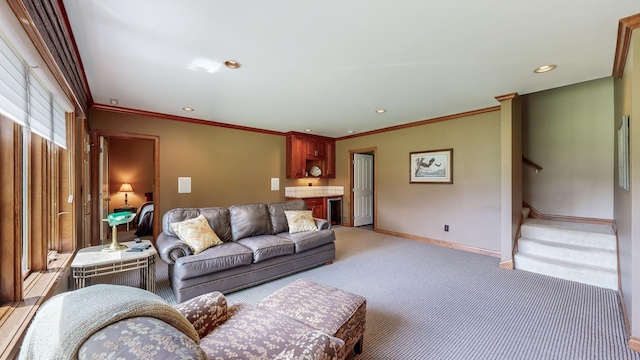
126 189
114 220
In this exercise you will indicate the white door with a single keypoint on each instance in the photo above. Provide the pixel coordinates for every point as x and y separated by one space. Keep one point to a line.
104 189
362 189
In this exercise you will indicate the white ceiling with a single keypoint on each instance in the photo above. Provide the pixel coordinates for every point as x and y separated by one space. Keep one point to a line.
328 65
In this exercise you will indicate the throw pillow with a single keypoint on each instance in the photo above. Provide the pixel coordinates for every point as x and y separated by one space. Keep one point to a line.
300 221
196 233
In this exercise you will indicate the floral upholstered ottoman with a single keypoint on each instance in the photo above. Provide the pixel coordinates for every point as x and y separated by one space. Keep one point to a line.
325 308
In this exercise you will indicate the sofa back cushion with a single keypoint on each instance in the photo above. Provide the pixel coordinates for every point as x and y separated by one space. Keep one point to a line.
249 220
217 217
278 219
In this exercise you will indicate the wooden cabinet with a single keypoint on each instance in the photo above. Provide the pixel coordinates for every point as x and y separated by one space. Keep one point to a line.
314 148
317 207
305 151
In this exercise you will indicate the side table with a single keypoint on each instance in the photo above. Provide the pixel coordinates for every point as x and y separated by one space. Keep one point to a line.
92 261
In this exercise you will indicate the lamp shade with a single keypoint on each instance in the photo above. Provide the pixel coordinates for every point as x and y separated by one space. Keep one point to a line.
125 188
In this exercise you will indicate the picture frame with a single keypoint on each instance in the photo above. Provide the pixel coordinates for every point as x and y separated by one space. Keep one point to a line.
431 167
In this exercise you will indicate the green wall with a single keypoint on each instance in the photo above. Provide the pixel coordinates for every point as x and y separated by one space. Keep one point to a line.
568 132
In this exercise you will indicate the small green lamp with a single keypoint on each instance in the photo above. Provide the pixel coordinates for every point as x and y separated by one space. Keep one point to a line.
115 219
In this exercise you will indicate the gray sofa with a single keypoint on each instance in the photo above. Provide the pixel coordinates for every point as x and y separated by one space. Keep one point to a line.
257 247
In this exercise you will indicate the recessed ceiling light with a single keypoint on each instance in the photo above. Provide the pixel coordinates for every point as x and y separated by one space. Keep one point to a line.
381 111
113 101
232 64
187 109
350 132
308 130
544 68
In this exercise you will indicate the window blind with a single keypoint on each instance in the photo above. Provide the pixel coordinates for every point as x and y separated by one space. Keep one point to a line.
40 109
59 126
26 101
13 85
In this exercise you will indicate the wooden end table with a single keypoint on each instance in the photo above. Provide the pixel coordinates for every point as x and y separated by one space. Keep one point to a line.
92 261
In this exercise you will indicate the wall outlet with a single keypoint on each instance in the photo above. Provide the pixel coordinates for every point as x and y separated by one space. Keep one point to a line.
446 228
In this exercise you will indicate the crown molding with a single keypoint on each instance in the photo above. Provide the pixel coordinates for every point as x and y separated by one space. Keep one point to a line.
422 122
122 110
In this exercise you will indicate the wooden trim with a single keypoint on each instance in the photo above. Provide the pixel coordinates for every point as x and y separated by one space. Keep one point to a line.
507 264
121 110
95 153
422 122
442 243
634 343
375 184
506 97
533 213
625 28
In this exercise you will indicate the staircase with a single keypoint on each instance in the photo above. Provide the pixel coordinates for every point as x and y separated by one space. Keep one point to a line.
582 252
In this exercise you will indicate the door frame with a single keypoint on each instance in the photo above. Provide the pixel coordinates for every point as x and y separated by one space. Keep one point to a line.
95 186
371 150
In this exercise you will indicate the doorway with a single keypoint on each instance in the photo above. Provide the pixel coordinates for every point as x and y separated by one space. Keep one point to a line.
136 157
363 182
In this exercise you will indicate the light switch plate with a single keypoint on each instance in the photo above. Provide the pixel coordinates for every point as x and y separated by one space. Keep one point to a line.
275 184
184 185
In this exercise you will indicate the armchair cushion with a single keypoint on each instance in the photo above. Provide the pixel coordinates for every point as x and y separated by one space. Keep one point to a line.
140 338
205 312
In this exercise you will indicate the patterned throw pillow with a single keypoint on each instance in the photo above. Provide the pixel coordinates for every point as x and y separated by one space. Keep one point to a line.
196 233
300 221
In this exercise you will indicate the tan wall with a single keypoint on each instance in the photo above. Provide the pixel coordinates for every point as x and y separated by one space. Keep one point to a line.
130 160
226 166
470 206
568 132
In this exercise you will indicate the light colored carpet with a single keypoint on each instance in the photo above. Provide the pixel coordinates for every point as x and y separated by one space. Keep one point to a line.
431 302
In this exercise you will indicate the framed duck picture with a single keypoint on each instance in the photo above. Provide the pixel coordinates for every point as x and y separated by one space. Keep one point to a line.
431 167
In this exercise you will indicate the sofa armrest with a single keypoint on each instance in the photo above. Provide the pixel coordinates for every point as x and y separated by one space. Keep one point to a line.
314 345
322 224
205 312
170 248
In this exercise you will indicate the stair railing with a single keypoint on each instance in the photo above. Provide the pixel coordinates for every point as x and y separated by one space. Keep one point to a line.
532 164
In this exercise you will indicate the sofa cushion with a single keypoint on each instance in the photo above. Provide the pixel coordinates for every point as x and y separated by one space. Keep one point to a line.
267 246
251 333
226 256
249 220
196 233
217 217
278 219
308 240
300 221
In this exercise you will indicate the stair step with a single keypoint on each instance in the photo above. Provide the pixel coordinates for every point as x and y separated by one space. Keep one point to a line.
580 254
586 274
573 233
